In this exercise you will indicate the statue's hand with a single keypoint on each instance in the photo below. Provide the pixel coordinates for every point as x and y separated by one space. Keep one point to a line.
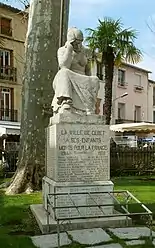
69 46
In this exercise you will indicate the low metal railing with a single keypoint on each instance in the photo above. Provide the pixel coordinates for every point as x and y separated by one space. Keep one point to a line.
121 199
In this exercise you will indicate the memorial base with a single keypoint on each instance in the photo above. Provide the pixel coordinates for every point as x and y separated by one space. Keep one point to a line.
49 187
77 188
78 194
40 215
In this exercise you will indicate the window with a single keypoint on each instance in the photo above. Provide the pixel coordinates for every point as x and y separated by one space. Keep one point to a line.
99 70
6 28
5 59
137 113
121 76
138 80
7 71
5 103
153 96
103 109
153 116
121 111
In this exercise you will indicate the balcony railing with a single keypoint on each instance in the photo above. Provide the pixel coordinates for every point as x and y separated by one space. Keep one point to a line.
122 84
8 115
138 88
8 73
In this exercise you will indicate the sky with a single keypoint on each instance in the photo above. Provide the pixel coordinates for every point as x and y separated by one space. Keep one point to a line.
137 14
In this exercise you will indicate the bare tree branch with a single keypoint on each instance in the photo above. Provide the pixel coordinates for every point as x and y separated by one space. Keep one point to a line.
26 3
151 26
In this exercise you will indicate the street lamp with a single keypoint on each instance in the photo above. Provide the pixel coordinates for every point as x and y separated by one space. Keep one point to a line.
121 96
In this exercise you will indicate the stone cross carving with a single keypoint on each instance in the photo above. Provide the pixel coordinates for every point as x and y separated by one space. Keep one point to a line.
75 88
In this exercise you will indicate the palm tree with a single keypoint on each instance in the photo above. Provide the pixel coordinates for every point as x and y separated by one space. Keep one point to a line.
111 44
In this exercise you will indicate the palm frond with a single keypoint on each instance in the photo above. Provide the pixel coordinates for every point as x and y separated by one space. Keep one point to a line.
128 35
110 36
118 59
133 55
114 45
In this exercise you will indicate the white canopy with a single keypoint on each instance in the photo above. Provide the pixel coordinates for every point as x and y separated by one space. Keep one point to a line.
9 128
133 127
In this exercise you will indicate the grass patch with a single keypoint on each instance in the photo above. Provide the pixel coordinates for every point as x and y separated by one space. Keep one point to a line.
17 222
143 190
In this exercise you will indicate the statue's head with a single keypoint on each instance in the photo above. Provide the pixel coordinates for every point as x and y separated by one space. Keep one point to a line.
75 37
74 34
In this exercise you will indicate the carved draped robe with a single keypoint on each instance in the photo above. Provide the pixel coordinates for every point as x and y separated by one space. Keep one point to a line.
73 81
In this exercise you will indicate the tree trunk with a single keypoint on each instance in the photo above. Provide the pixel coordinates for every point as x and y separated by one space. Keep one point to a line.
40 68
108 60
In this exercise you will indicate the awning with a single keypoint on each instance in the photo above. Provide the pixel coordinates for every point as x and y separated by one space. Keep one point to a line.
133 127
9 128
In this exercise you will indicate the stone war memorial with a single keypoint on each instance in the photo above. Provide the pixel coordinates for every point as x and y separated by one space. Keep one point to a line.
77 148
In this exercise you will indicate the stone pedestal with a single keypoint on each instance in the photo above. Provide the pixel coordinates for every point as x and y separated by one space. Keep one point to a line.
78 160
78 152
95 198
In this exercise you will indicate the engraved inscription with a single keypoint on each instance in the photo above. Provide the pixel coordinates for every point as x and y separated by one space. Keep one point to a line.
78 152
85 200
83 153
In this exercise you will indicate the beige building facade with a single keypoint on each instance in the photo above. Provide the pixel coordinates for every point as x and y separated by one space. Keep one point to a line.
137 105
13 28
132 95
152 84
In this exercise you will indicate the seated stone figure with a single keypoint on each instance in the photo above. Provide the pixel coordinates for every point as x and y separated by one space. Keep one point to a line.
75 88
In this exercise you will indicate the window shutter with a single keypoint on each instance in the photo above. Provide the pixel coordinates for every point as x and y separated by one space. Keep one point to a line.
6 26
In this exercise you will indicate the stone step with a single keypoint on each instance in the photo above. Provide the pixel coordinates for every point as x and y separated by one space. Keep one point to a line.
90 236
96 238
131 232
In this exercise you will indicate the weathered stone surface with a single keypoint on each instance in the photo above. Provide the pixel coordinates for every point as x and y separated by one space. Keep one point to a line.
90 236
74 87
41 217
50 241
69 117
78 152
131 232
108 246
78 161
135 242
50 186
